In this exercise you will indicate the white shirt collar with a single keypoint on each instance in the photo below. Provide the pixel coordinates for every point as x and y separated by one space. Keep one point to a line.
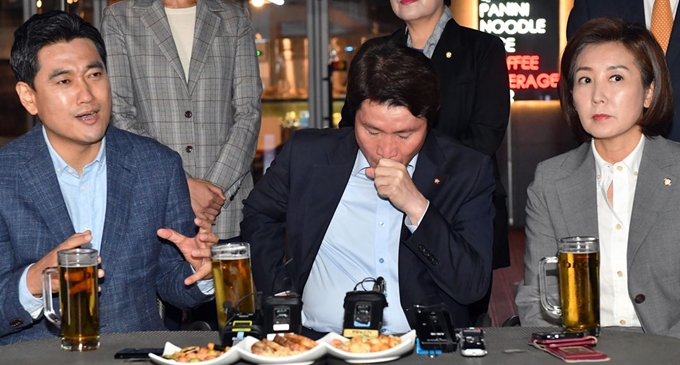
632 161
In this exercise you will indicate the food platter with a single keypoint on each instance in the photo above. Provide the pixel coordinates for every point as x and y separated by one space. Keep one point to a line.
406 346
243 351
229 357
304 358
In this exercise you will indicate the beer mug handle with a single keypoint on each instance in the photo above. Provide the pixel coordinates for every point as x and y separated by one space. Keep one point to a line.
555 310
49 312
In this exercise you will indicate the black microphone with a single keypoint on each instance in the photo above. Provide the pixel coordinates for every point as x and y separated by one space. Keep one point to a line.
286 284
380 285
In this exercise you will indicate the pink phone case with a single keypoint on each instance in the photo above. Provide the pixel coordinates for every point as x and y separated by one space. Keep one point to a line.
572 349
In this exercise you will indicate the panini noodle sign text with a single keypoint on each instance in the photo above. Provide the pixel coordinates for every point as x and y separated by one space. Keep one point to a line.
529 30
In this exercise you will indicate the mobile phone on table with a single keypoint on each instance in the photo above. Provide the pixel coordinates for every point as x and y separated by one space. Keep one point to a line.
138 353
472 342
556 335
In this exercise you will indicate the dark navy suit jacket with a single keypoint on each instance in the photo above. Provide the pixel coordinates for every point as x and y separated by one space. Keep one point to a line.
475 105
146 190
633 11
447 259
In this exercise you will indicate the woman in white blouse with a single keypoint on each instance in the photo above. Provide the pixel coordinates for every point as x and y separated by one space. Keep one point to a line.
621 185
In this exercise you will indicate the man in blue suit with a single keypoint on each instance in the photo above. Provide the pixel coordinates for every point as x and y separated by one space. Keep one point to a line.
73 180
388 198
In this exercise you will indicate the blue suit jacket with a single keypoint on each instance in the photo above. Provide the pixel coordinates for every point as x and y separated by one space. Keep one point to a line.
447 259
633 11
146 190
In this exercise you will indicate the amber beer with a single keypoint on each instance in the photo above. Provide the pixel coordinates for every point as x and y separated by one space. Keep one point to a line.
579 290
79 302
578 264
78 298
233 279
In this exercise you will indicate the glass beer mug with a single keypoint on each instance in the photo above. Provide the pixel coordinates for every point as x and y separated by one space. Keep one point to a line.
578 264
233 278
78 298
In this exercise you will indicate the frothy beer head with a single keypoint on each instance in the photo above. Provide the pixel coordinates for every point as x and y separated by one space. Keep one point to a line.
77 257
230 251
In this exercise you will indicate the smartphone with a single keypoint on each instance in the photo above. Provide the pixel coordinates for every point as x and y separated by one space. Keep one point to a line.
472 342
557 335
434 329
137 353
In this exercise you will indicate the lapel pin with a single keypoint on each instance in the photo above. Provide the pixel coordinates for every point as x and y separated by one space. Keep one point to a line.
667 181
437 181
448 54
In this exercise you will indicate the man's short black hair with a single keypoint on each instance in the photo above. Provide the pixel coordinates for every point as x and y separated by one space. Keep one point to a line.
43 30
391 73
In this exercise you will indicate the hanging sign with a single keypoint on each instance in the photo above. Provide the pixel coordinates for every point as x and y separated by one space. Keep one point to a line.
530 32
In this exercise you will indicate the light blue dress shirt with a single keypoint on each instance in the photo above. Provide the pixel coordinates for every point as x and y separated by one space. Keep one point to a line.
362 240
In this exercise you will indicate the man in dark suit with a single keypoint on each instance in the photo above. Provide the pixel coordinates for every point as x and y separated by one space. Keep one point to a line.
474 92
388 198
635 11
73 180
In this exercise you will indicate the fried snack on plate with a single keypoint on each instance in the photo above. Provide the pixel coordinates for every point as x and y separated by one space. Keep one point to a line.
302 340
196 354
286 345
361 344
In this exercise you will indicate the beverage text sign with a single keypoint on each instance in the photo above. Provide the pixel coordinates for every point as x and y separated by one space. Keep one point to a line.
530 33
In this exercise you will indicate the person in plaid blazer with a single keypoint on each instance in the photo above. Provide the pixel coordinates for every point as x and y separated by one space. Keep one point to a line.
211 114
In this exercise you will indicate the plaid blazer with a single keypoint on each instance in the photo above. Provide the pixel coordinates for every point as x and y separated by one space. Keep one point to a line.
212 120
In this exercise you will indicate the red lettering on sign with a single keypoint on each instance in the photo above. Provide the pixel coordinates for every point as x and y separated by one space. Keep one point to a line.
523 62
534 81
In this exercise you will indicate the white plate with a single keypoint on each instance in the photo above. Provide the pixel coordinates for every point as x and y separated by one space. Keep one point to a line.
305 358
229 357
406 346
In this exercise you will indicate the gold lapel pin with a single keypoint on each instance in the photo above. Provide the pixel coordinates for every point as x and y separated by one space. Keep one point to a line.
667 181
437 181
449 54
